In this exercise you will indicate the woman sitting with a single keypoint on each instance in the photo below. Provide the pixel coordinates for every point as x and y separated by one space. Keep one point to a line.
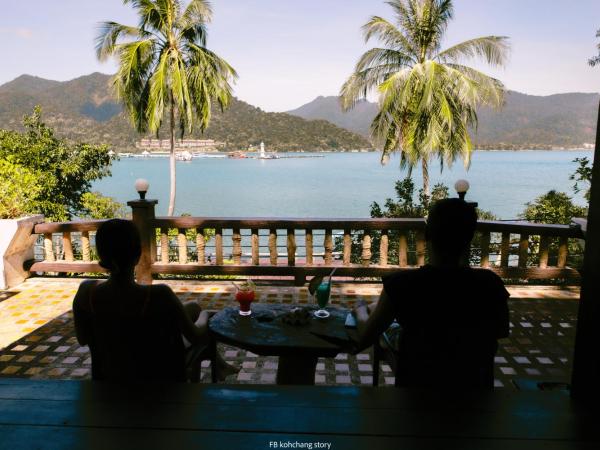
136 332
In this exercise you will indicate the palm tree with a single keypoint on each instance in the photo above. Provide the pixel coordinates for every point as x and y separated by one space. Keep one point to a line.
165 67
427 96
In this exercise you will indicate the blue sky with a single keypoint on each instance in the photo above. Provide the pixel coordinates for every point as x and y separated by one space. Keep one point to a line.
287 52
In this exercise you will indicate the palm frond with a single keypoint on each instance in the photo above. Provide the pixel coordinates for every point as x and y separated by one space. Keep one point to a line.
374 68
490 91
596 59
193 21
159 92
130 82
108 36
389 35
150 12
494 50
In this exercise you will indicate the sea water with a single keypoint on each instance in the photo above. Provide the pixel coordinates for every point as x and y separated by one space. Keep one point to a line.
338 185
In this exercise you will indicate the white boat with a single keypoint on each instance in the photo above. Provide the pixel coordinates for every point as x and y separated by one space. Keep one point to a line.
125 155
183 156
208 155
264 155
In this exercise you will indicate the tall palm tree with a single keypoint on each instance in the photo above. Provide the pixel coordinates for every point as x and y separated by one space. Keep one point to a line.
165 67
427 96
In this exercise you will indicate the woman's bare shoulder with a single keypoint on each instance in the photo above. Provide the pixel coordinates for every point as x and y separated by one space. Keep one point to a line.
83 291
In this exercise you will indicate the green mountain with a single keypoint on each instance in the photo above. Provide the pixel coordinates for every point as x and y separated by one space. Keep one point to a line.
85 109
525 121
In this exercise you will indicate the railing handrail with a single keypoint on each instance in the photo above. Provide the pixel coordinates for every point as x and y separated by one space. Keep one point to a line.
286 223
402 239
570 231
63 227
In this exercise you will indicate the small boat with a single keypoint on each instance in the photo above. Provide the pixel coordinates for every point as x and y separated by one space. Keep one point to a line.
125 155
238 155
264 155
183 156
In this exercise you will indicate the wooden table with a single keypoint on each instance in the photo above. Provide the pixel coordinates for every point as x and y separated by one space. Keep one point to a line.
298 347
86 415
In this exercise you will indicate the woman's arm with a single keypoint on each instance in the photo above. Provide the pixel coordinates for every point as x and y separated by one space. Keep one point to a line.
81 318
196 333
371 325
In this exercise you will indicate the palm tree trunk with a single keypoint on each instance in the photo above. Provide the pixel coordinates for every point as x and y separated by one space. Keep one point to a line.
172 161
425 166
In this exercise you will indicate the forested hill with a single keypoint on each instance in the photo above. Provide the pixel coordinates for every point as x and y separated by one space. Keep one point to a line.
85 109
525 121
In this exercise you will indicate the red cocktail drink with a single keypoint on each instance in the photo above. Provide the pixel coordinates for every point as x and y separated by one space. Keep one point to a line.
245 296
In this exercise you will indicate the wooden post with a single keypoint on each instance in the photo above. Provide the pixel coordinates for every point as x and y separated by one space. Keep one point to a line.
67 246
219 246
421 248
309 247
291 247
366 249
201 246
48 247
523 251
586 362
504 249
383 248
544 246
164 245
328 244
85 245
142 212
485 249
347 255
255 248
563 250
273 246
237 246
402 249
182 246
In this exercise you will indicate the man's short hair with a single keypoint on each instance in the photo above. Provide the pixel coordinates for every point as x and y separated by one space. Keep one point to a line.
451 225
118 244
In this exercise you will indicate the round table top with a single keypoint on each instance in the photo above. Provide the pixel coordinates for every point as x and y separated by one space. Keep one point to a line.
266 334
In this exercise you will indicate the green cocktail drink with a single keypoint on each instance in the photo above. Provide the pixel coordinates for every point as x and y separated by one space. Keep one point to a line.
322 295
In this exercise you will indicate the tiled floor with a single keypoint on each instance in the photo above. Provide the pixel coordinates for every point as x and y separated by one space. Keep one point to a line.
37 333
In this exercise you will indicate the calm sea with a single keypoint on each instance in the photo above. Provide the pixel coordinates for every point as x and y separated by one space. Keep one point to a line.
338 185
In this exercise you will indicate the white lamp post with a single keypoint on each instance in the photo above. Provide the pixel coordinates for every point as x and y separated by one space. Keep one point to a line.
462 187
141 186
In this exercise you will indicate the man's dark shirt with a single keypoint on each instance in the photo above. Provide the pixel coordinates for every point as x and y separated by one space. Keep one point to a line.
451 319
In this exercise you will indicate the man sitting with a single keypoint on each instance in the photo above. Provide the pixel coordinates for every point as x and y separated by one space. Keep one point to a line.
450 315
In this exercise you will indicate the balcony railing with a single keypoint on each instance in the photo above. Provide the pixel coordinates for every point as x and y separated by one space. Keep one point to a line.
301 247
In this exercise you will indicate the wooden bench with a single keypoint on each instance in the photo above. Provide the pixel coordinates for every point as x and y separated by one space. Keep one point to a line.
82 414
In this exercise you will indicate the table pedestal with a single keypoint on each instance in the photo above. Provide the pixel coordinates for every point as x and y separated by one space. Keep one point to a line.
299 370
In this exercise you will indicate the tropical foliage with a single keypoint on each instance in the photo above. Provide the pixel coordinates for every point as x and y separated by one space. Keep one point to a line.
553 207
40 173
582 177
165 68
96 206
427 96
19 190
596 59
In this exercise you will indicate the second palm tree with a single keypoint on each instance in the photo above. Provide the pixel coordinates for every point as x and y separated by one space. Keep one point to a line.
427 97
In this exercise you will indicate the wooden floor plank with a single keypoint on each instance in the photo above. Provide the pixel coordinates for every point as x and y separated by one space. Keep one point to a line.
346 420
424 416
